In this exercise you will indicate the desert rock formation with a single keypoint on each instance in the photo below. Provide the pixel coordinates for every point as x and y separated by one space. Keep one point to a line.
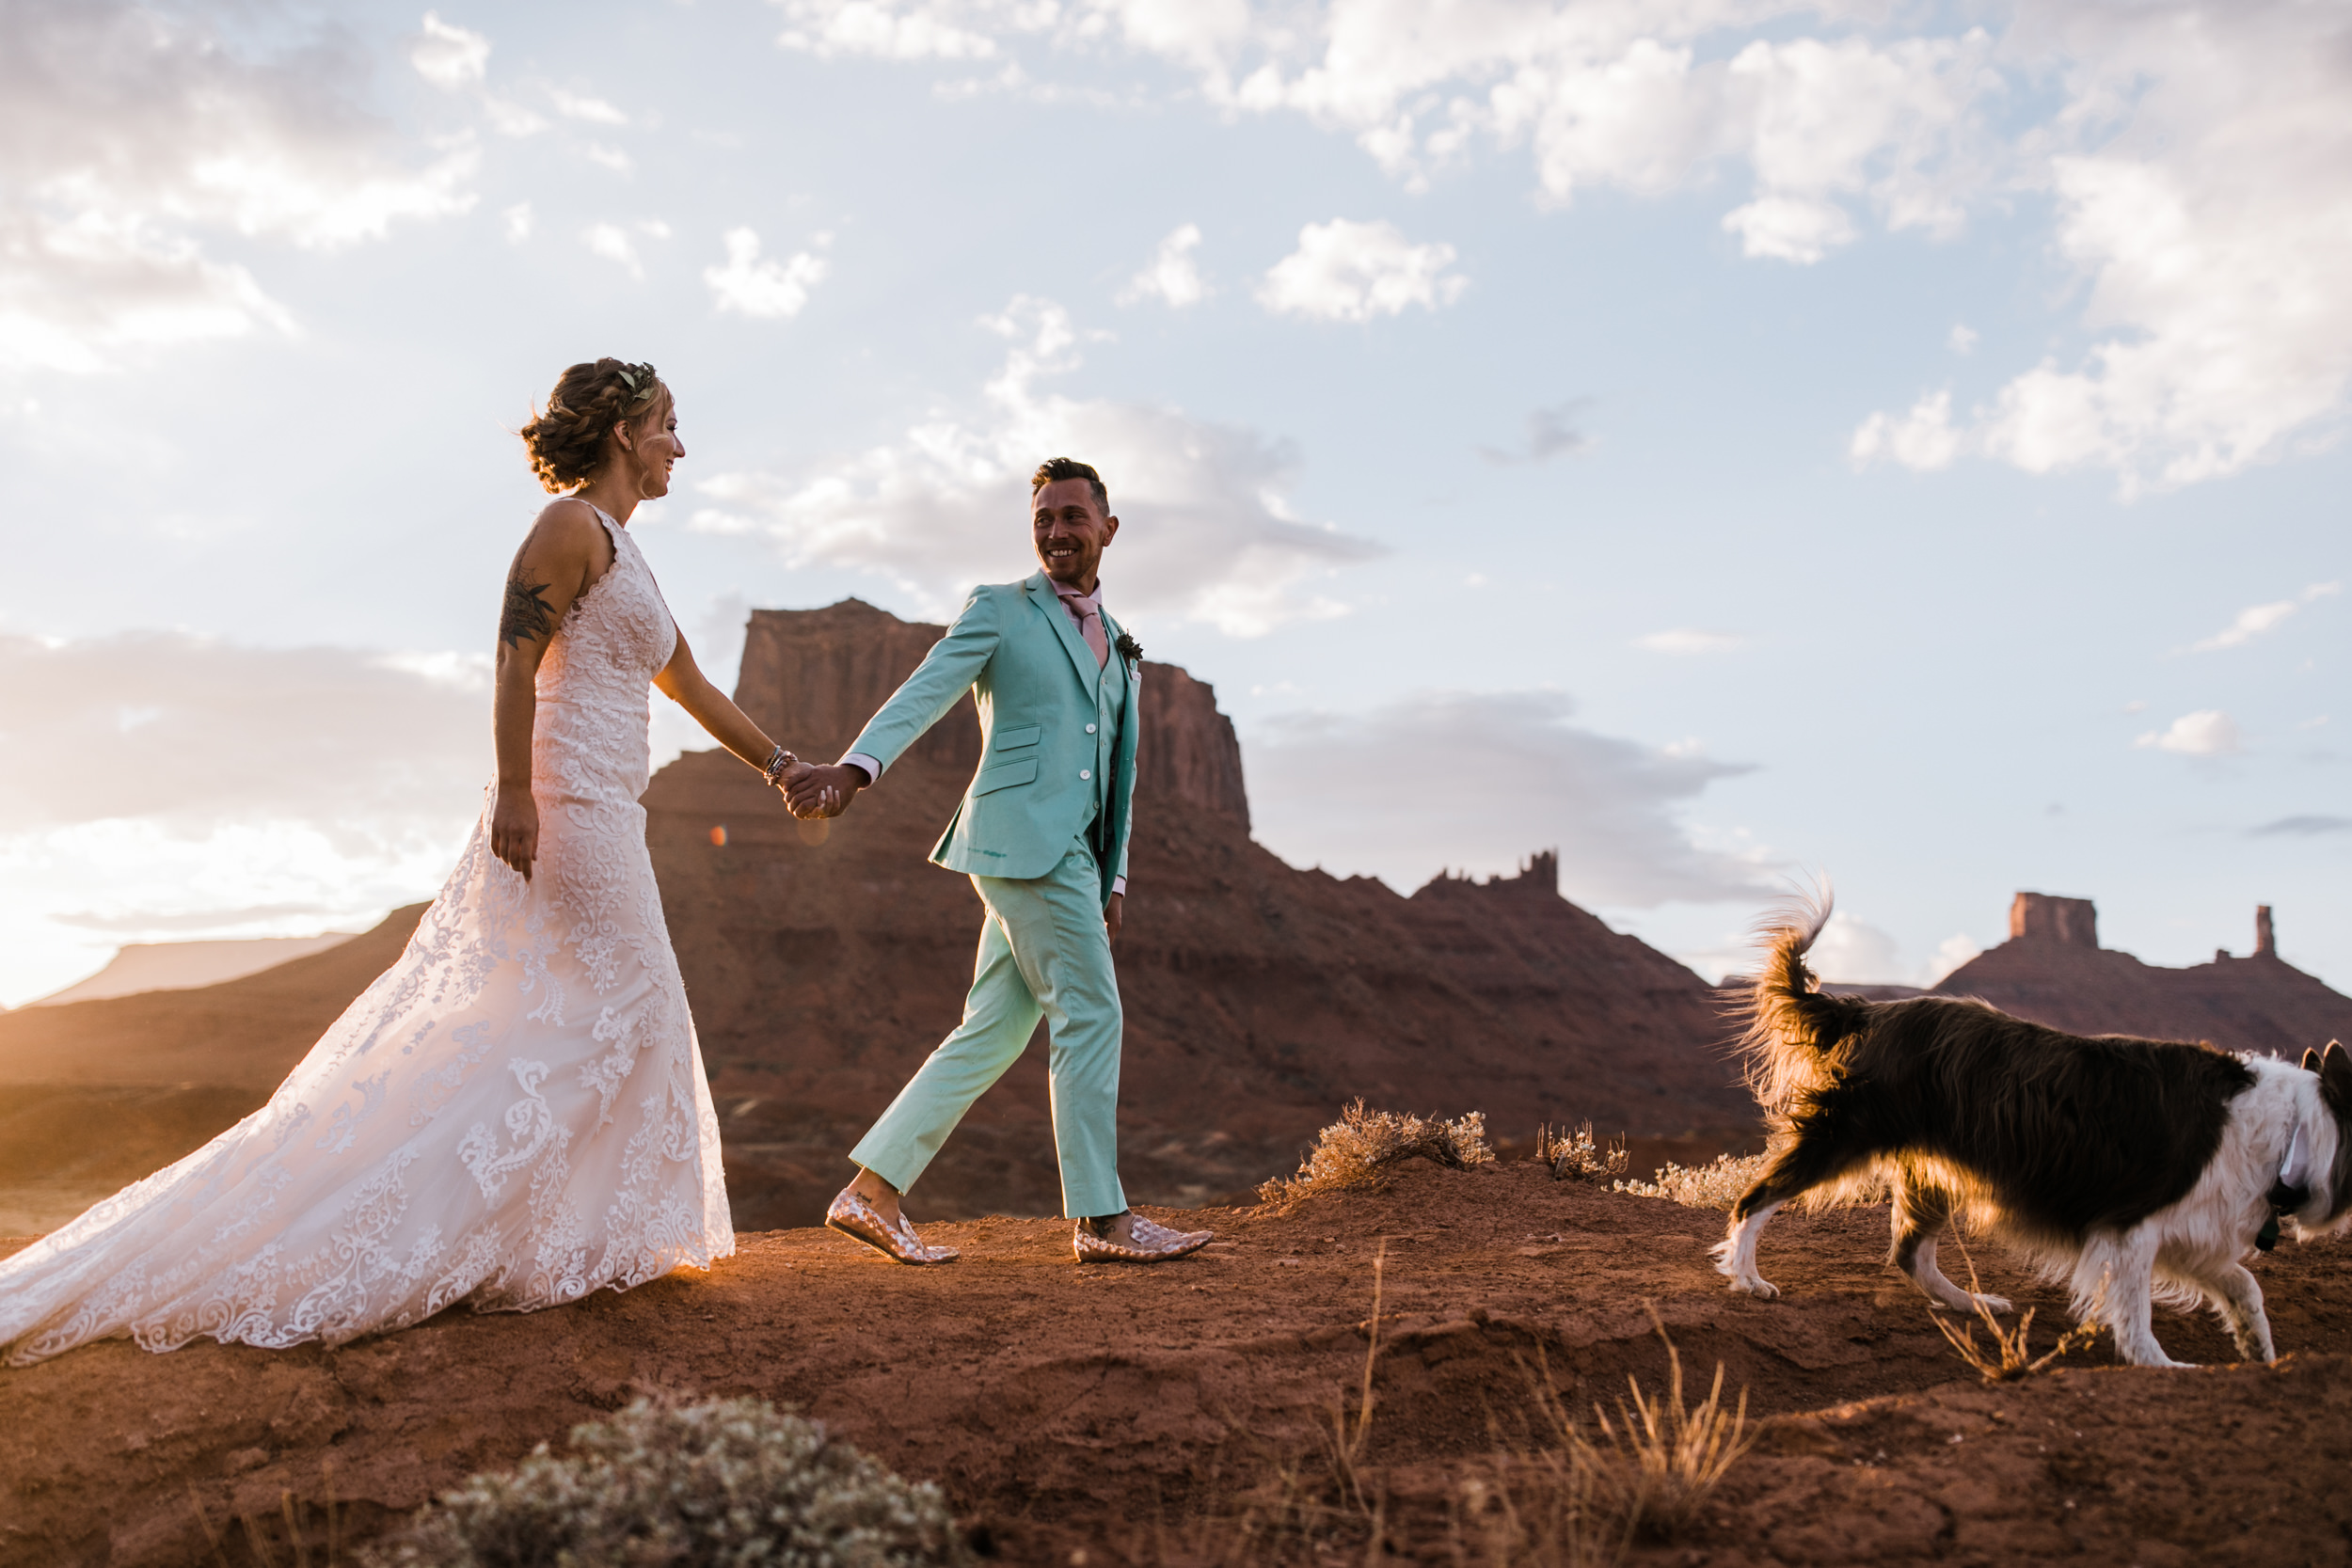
2052 970
824 962
824 965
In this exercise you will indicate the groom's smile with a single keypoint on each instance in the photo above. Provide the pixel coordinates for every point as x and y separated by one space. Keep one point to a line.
1069 526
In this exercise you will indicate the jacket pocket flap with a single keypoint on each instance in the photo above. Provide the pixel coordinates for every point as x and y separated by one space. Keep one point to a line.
1025 734
1005 775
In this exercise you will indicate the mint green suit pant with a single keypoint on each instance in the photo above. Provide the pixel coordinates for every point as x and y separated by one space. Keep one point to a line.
1044 954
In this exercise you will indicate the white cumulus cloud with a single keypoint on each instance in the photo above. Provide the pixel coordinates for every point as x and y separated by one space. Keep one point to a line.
1352 272
2207 733
2254 620
1923 439
581 105
1206 531
448 55
131 138
2191 153
1173 277
884 29
618 245
1323 791
760 287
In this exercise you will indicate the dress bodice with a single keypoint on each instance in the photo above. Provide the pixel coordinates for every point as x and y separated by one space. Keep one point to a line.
589 742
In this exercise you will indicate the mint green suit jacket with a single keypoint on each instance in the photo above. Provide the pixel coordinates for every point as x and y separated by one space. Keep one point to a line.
1058 734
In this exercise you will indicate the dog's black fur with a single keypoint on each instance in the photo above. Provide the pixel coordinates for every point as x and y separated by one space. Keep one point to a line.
2065 1133
2128 1168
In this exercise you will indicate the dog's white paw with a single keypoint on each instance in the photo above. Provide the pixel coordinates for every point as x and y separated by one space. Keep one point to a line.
1989 1304
1754 1285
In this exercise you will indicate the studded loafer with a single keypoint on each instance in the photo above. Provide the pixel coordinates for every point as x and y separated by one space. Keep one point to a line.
1153 1243
860 1221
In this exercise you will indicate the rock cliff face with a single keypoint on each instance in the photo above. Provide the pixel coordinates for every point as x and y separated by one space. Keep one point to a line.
824 965
2052 970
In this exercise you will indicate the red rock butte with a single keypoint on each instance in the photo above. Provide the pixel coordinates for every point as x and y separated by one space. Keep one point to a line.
2052 970
1260 998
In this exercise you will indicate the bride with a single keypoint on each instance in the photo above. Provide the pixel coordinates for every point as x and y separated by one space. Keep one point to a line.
515 1114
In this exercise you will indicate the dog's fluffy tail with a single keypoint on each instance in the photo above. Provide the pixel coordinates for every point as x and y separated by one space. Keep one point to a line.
1791 1025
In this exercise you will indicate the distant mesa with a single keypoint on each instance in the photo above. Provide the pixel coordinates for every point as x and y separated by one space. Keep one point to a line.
2043 918
184 965
2053 971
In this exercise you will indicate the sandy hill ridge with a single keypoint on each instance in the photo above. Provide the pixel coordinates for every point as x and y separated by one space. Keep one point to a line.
1111 1412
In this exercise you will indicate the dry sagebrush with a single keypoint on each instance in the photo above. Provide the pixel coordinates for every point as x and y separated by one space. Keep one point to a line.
1576 1157
729 1484
1711 1186
1356 1149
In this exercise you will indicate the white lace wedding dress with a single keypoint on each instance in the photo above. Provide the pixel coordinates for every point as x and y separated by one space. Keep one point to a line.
512 1116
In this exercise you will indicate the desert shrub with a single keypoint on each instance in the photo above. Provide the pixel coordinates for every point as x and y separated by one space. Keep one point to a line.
1718 1185
729 1483
1561 1498
1711 1186
1655 1466
1575 1157
1354 1150
2010 1356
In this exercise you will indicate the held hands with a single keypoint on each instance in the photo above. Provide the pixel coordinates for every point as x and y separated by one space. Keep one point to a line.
813 792
515 828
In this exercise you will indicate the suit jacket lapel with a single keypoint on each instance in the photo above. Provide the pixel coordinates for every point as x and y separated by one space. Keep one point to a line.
1081 656
1114 631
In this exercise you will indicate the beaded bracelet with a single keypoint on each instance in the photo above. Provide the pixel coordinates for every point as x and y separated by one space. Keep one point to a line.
778 760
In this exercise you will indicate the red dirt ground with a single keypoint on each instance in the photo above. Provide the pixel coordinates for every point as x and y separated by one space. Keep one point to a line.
1091 1416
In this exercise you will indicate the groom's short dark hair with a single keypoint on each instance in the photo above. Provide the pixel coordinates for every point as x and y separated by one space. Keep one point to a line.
1070 468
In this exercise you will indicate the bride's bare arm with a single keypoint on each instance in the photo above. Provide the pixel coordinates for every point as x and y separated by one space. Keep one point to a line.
682 681
564 553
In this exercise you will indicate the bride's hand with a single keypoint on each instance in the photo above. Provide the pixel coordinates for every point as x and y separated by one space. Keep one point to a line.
514 829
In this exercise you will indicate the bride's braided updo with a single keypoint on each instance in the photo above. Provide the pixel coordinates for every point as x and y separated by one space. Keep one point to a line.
567 441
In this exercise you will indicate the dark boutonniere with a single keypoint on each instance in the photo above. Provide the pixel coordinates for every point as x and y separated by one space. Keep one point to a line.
1130 650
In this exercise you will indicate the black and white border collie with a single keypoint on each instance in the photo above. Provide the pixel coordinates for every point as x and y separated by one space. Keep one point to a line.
2126 1169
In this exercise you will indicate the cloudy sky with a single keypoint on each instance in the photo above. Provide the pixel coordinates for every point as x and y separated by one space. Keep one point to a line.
1723 440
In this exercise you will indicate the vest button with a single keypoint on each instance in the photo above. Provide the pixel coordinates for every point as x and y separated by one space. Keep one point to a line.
1086 772
1089 729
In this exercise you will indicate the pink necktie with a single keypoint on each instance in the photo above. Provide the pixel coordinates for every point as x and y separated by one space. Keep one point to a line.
1087 611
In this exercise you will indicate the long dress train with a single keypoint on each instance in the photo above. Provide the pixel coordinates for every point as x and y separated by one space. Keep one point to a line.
512 1116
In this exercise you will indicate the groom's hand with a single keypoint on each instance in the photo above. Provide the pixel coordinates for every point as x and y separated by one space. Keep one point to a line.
823 791
1113 915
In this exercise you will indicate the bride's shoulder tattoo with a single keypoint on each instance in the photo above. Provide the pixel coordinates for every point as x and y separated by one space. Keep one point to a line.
527 618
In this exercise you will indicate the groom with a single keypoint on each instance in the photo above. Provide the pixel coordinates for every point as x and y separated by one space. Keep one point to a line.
1042 832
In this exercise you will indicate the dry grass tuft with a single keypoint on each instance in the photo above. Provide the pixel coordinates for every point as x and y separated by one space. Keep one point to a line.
309 1528
1656 1464
1354 1150
1711 1186
2010 1358
1556 1499
1575 1157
